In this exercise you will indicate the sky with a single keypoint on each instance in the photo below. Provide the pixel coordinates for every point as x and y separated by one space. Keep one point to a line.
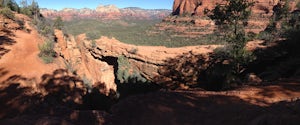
146 4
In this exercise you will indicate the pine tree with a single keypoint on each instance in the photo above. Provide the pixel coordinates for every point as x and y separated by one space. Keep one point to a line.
231 17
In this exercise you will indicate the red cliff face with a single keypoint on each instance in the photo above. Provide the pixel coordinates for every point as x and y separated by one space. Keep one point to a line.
197 7
193 7
189 20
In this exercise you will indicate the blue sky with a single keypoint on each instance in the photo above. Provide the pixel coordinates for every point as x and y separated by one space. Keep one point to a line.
147 4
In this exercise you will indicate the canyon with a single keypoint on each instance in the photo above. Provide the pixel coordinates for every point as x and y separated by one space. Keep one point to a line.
106 81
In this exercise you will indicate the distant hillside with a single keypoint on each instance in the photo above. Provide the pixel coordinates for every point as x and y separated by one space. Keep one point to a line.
107 12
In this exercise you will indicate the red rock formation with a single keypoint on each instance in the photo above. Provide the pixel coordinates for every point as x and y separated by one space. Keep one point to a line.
107 12
197 7
193 7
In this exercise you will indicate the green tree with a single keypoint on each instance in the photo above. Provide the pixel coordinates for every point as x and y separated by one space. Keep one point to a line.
7 13
11 4
58 23
32 10
281 10
231 17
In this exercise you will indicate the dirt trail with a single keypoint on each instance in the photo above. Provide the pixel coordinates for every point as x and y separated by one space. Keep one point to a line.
22 59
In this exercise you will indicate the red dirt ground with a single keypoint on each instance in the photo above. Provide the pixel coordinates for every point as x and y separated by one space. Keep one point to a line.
22 59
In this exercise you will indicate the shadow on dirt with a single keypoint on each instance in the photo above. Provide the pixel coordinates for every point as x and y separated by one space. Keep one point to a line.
189 108
3 72
5 40
133 86
59 98
62 99
211 72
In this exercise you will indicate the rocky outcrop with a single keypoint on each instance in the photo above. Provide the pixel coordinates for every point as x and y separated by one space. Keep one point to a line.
76 59
193 7
197 7
145 59
107 12
98 62
188 19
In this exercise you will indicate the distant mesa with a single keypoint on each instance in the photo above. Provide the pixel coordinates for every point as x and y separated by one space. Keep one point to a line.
107 9
107 12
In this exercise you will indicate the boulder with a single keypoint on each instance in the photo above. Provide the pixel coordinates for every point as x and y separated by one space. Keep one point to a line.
253 79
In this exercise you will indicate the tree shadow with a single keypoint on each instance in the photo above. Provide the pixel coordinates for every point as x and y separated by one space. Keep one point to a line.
184 69
211 71
281 58
134 86
8 33
3 72
189 108
59 98
5 40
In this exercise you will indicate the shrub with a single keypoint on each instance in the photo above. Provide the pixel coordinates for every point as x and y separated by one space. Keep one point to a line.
31 10
47 53
10 4
93 44
7 13
87 83
123 69
21 24
126 72
58 23
70 66
251 36
226 68
47 59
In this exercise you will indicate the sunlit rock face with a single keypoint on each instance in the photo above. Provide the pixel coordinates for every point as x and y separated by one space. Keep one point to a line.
197 7
107 12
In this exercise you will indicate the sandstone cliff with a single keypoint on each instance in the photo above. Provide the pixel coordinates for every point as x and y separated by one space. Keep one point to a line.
189 21
193 7
197 7
98 61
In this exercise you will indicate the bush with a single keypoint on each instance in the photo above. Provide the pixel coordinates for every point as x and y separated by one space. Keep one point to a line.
21 24
123 70
47 53
7 13
226 68
126 72
31 10
10 4
70 66
93 44
87 83
58 23
251 36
